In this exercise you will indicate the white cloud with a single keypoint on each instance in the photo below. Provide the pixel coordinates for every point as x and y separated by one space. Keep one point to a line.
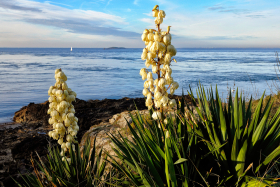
35 24
49 11
148 14
147 20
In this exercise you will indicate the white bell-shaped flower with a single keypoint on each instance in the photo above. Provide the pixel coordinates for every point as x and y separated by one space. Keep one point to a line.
161 14
149 101
156 115
144 76
167 75
69 138
155 69
54 91
143 71
149 56
161 82
146 84
146 31
149 95
150 76
158 89
172 103
164 100
158 95
157 36
162 47
167 39
50 134
175 85
168 69
171 50
55 135
157 103
151 35
60 141
150 44
169 80
74 133
155 13
58 93
144 56
64 86
167 58
151 82
154 47
158 20
147 63
156 82
145 91
144 37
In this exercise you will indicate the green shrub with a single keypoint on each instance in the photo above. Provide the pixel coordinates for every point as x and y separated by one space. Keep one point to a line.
159 154
244 144
85 169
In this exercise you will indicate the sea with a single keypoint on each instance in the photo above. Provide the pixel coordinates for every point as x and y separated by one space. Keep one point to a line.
96 73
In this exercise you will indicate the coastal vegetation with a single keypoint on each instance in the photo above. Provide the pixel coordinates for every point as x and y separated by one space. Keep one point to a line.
204 143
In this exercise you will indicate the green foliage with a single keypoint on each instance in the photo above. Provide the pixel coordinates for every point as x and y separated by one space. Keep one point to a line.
85 169
153 158
243 143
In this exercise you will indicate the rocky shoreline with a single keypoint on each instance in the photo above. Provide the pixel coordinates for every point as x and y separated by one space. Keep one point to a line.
21 139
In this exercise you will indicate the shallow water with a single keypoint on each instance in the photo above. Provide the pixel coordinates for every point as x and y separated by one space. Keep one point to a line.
26 74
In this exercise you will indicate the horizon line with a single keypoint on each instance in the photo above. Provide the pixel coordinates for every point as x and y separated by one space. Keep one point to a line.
138 47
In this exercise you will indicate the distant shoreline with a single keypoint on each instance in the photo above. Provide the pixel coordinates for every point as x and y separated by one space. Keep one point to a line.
115 48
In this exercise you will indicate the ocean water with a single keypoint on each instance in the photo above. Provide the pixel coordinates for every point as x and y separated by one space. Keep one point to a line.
27 73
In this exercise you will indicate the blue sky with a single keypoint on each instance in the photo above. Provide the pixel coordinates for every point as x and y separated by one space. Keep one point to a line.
107 23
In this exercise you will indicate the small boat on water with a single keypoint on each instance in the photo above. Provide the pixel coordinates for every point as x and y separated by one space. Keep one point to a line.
71 49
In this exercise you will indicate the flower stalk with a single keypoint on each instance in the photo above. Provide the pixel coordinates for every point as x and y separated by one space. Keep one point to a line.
157 54
62 112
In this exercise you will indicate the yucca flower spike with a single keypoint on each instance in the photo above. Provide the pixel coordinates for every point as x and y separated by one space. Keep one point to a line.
158 51
62 112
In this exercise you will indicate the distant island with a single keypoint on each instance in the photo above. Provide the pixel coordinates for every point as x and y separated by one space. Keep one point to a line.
115 48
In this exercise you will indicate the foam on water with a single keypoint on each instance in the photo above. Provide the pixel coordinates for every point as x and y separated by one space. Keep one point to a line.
27 74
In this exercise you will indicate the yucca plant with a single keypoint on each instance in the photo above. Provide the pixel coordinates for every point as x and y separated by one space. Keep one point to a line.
85 169
244 143
159 154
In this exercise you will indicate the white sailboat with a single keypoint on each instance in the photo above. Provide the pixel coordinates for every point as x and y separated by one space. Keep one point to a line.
71 49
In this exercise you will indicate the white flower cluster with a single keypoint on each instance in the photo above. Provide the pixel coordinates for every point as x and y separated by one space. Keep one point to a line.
158 51
62 112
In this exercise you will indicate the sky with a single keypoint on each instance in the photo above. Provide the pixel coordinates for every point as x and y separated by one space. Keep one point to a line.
120 23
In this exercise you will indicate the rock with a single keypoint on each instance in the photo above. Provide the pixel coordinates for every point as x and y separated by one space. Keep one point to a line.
28 133
117 125
20 140
101 133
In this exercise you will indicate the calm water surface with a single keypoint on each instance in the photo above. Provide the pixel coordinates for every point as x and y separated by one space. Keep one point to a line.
26 74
